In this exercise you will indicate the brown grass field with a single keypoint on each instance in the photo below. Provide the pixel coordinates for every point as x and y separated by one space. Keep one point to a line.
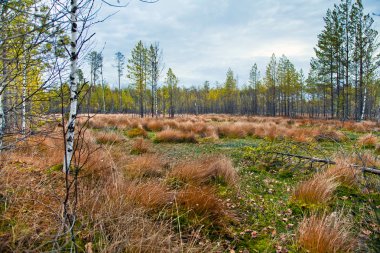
190 184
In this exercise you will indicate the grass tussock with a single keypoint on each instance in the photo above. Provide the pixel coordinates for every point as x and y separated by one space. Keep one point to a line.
317 190
330 135
117 215
108 137
368 140
175 136
151 195
147 165
155 125
343 172
207 170
232 131
201 201
326 234
140 146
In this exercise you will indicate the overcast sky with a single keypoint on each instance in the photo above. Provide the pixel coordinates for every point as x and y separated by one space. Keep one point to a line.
201 39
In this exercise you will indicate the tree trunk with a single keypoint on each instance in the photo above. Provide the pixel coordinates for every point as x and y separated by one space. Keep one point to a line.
23 98
120 92
364 105
104 99
69 141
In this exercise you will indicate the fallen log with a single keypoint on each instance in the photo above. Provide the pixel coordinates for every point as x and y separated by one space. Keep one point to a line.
326 161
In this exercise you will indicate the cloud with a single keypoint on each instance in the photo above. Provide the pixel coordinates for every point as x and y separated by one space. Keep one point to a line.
202 39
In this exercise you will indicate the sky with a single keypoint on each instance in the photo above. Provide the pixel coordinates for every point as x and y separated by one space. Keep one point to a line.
201 39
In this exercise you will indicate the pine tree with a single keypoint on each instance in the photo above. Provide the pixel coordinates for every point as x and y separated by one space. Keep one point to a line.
137 73
171 82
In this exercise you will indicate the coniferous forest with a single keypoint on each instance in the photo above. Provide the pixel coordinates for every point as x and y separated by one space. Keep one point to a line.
286 160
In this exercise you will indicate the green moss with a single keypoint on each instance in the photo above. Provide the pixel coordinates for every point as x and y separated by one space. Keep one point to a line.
263 245
136 132
300 209
285 173
54 168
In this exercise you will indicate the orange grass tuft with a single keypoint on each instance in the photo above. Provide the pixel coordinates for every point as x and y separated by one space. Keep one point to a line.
206 170
147 165
151 195
317 190
155 125
176 136
368 140
108 137
140 146
202 201
326 233
343 171
330 135
232 131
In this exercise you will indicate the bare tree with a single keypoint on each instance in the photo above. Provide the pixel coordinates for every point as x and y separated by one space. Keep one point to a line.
120 62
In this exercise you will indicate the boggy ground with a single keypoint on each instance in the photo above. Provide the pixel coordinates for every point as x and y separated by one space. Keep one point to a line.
207 183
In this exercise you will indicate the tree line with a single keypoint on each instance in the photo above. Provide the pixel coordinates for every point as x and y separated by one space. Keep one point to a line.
342 82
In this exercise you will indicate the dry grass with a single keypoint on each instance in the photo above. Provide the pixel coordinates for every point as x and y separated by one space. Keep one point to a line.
317 190
232 131
365 159
343 171
113 212
368 140
140 146
147 165
155 125
202 201
210 169
330 135
151 195
117 216
360 127
326 234
108 137
175 136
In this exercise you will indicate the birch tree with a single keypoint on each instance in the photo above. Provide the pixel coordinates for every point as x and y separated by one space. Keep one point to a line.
120 61
70 129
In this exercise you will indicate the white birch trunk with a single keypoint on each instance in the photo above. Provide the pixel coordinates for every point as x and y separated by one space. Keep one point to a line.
364 104
155 100
2 118
104 96
23 97
69 141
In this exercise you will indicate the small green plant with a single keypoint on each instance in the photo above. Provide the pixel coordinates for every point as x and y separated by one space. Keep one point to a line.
136 132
